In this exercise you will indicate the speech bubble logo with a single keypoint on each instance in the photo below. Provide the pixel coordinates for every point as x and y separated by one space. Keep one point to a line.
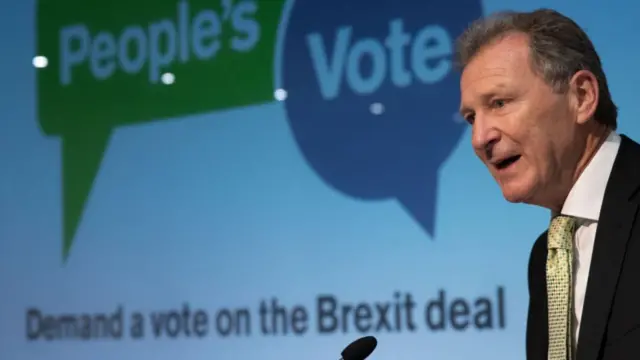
341 56
106 65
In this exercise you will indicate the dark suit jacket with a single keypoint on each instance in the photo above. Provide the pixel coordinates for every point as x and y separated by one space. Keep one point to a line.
610 325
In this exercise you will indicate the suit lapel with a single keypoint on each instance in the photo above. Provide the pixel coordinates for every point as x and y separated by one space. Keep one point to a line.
617 218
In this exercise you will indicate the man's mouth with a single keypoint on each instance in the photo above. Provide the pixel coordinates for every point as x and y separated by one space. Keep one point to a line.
503 164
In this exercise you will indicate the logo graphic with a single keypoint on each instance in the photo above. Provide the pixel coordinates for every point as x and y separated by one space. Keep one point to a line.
333 57
106 64
342 56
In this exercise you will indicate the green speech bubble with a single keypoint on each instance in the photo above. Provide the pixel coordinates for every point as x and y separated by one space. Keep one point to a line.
106 66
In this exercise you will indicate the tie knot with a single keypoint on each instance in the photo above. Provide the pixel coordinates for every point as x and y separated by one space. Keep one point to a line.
560 234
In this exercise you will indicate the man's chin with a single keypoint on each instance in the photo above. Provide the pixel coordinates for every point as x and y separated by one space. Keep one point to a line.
515 196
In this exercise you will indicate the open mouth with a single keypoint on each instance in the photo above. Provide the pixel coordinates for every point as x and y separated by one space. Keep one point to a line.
507 162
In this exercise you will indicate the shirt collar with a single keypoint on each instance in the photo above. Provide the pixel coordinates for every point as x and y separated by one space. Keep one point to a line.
586 195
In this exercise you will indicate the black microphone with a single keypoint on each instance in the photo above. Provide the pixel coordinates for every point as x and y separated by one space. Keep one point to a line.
359 349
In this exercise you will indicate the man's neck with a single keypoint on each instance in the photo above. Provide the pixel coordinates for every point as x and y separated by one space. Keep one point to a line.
593 141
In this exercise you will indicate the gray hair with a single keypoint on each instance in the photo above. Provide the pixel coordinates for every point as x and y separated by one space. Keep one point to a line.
558 47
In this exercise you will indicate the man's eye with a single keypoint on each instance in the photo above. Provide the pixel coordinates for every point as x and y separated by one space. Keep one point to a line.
498 103
470 118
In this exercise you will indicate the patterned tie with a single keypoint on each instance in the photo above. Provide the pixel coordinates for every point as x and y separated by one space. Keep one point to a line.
559 285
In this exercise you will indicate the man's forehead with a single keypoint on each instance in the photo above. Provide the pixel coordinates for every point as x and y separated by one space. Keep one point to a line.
499 58
485 77
497 65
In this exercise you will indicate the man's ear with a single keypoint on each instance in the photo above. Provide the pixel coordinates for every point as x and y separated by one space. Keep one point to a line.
584 89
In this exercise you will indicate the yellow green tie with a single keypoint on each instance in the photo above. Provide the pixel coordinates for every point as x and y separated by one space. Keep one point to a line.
559 285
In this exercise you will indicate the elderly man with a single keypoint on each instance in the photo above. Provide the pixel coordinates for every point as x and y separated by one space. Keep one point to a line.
534 91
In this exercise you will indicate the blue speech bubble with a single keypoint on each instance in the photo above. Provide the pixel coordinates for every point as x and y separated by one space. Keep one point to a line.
341 59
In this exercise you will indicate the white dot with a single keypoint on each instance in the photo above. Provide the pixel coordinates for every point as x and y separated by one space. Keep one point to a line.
280 94
40 62
168 78
376 108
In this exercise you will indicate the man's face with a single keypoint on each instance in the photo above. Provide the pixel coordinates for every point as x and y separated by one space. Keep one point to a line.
523 131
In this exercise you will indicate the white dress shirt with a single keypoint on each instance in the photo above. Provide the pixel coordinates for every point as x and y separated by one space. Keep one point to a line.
584 202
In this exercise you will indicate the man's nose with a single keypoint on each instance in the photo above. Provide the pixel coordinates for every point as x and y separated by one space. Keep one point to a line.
484 135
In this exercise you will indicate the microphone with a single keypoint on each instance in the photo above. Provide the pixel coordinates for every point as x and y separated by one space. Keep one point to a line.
359 349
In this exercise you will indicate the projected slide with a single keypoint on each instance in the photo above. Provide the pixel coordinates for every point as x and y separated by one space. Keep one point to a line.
258 179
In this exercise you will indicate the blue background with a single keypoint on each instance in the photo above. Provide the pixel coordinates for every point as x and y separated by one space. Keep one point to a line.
223 210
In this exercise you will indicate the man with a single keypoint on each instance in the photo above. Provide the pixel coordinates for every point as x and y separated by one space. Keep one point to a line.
543 122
